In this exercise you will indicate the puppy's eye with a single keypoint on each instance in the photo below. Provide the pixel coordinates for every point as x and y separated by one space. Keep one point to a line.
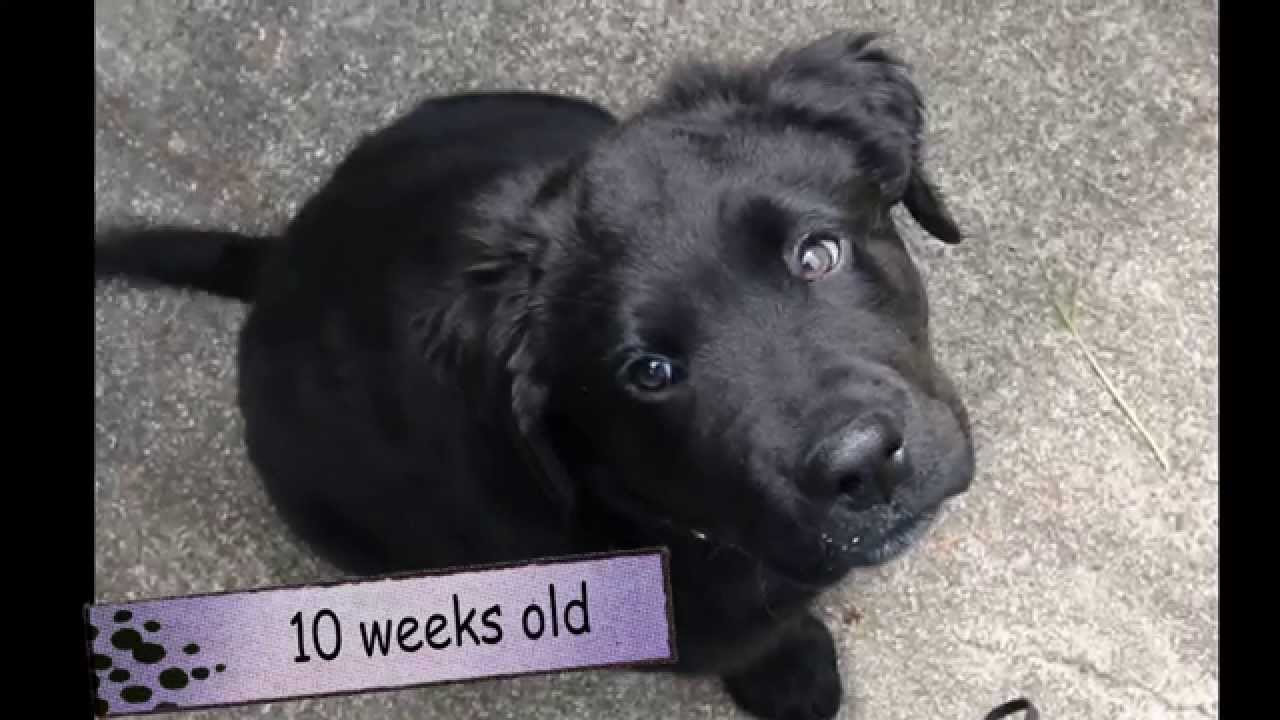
652 373
818 254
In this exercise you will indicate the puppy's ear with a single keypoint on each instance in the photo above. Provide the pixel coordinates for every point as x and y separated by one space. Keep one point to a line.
843 84
485 334
529 399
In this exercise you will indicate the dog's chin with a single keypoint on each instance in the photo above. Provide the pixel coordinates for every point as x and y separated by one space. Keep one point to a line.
846 546
898 541
814 558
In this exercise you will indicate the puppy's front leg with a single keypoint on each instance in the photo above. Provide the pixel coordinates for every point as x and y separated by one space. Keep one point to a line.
798 679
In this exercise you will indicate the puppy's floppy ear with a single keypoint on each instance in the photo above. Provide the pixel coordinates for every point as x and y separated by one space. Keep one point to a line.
528 414
843 84
486 334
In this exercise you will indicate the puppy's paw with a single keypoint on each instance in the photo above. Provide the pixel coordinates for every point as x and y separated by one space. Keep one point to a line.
798 680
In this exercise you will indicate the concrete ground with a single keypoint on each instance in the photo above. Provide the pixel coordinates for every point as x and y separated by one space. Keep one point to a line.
1077 140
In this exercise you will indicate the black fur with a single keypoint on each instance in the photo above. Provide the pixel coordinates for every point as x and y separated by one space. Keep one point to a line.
430 370
216 261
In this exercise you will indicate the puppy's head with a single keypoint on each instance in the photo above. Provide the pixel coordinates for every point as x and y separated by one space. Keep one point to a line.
721 332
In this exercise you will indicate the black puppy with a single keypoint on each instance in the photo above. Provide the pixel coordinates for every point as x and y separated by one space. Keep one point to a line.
511 326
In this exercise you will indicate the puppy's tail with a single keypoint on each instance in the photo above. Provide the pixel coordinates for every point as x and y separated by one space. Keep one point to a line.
220 262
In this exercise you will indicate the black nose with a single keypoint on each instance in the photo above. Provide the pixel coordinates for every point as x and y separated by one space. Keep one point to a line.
867 462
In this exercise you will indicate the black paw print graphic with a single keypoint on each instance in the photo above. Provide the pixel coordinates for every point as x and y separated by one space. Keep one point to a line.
129 670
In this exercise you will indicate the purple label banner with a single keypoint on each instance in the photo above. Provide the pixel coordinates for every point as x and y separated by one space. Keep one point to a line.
272 644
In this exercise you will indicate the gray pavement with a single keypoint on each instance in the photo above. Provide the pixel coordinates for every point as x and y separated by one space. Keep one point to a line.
1076 140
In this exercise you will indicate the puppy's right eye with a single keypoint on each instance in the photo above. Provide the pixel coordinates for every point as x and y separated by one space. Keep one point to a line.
817 255
652 373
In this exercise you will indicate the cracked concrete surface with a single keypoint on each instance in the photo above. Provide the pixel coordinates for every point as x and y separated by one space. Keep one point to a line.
1077 140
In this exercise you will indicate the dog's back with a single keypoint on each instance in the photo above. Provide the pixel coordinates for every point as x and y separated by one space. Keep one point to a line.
323 380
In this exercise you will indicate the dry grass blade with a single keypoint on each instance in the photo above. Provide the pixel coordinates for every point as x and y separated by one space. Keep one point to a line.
1067 315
